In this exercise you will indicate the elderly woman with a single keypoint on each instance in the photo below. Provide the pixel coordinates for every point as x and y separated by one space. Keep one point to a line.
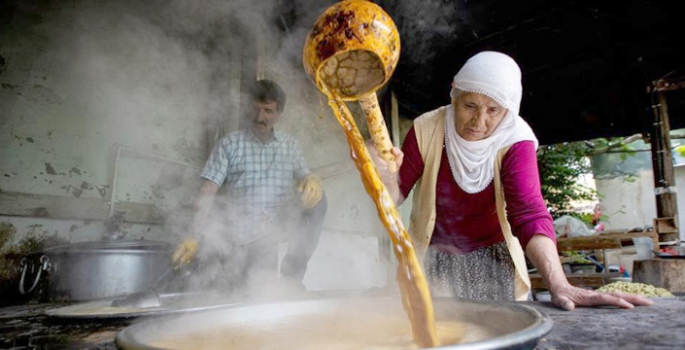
477 202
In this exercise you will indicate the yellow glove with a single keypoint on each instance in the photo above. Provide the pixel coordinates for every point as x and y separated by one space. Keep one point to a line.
310 189
185 251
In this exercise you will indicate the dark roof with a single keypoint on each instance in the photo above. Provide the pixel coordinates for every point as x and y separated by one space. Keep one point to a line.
586 64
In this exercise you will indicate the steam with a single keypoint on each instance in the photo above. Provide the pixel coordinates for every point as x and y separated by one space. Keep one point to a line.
168 77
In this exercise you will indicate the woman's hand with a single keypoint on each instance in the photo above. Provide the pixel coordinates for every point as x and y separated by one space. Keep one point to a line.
568 297
381 163
390 179
542 251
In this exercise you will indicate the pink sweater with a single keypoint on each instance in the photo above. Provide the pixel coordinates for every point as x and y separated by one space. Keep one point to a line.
469 221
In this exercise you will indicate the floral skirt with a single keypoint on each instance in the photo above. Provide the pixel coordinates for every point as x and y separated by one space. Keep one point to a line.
484 274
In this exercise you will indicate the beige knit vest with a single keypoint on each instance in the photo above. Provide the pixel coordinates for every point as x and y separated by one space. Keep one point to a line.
430 133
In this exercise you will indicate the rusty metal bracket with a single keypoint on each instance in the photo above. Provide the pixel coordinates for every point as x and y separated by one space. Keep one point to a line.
662 190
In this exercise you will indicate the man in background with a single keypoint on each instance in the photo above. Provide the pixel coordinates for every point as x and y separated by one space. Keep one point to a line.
268 195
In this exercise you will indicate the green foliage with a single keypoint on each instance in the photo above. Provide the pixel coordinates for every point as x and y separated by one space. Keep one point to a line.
586 218
577 256
561 167
618 158
680 150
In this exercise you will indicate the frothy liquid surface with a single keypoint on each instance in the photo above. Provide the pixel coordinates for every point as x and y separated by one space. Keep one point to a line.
330 331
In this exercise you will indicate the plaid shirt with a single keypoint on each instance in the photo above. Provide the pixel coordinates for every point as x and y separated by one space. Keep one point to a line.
259 178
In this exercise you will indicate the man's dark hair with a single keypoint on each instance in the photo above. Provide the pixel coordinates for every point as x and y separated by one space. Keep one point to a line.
267 90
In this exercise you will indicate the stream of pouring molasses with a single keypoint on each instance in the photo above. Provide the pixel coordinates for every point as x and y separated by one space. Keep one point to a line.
416 297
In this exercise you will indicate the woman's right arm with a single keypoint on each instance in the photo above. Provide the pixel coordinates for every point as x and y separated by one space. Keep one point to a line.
389 179
409 163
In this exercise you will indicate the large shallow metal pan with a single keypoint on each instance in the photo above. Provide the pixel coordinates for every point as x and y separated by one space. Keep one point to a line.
171 303
324 322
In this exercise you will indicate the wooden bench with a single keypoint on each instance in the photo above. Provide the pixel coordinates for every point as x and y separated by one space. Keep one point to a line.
609 240
614 239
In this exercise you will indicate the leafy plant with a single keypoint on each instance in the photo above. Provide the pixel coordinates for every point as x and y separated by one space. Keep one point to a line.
561 167
680 150
577 257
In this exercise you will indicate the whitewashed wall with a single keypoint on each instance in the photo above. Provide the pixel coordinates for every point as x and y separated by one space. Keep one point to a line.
633 204
628 204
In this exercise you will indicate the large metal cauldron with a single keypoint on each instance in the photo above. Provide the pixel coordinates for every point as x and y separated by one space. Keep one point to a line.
97 269
340 323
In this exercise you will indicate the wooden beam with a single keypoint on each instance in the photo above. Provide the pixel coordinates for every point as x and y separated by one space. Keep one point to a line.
670 84
662 164
395 120
588 243
62 207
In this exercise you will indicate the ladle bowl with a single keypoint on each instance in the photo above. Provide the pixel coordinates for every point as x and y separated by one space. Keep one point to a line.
352 50
349 54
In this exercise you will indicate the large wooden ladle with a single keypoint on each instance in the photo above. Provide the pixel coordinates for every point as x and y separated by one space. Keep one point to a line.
350 53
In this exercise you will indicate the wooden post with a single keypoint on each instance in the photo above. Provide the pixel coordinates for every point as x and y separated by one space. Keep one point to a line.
662 164
663 273
395 120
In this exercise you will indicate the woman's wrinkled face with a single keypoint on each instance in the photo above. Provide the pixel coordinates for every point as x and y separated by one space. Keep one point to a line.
476 115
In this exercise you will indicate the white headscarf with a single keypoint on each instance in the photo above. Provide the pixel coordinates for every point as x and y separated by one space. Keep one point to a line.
497 76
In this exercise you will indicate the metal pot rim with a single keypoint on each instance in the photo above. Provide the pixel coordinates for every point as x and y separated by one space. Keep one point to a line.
113 245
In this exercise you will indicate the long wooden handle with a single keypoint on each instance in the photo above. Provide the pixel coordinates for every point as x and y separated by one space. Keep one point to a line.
379 131
416 297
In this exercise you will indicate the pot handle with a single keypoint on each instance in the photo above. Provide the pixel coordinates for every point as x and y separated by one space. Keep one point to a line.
45 265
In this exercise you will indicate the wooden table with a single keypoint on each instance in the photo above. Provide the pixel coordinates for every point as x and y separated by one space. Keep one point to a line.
655 327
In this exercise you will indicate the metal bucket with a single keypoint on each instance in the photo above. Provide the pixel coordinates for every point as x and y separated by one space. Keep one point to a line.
339 323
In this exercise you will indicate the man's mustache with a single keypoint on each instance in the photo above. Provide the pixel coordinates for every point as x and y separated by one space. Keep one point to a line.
260 122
